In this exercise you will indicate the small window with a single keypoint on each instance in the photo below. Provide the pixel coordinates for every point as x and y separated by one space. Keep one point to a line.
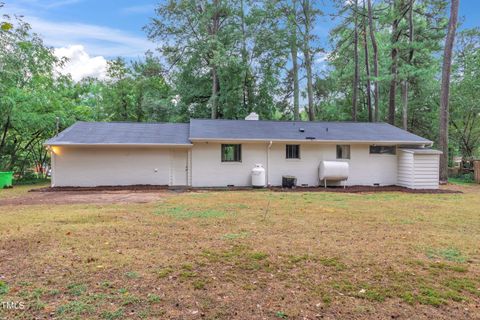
292 151
231 152
343 151
383 150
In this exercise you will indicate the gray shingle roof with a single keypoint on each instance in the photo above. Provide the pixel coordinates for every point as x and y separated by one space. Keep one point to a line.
123 133
290 130
184 133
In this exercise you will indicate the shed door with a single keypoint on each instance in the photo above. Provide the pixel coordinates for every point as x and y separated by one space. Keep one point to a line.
180 167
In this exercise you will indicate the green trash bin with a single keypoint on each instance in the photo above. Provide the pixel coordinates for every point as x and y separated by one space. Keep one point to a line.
6 179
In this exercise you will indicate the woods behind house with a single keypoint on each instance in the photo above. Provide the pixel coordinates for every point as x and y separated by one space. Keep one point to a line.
404 62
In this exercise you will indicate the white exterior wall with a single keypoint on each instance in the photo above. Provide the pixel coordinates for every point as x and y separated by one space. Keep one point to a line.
405 169
426 171
417 170
365 168
208 170
117 166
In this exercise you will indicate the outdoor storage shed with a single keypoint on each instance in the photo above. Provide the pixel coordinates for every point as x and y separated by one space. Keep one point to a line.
418 168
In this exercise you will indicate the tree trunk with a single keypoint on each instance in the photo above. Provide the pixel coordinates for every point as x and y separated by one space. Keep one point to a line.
393 68
213 31
296 86
308 59
294 52
410 58
308 66
367 68
393 87
356 77
244 59
4 134
214 97
405 104
375 59
445 89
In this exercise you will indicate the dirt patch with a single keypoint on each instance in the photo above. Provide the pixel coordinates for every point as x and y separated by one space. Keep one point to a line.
78 197
348 189
137 188
365 189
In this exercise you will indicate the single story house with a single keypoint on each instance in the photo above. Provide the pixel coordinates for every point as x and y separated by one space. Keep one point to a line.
219 153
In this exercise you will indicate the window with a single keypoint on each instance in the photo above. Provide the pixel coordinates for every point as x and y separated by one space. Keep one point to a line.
343 151
383 150
292 151
231 152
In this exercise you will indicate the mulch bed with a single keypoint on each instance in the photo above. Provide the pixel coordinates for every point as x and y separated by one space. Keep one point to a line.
348 189
365 189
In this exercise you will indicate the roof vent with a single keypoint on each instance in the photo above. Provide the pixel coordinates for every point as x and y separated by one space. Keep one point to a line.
252 116
327 129
301 130
310 138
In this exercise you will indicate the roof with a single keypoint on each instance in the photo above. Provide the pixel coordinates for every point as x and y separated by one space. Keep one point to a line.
421 151
370 132
123 133
140 133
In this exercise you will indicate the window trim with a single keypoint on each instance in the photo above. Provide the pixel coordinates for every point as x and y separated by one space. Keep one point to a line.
298 152
222 148
349 152
394 148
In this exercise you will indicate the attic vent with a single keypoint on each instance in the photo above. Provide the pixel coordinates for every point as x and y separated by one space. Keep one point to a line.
301 130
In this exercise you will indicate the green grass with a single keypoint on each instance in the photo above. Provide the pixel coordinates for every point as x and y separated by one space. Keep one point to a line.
3 288
74 308
77 289
462 180
449 254
219 255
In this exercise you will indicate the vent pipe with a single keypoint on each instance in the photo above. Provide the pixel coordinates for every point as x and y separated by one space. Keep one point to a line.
252 116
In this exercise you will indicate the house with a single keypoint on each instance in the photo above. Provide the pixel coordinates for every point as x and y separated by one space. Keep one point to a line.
219 153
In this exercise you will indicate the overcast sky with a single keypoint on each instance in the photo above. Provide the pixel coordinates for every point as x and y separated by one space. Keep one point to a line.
89 32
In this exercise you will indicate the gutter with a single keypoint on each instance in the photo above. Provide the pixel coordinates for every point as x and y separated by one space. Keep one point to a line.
63 144
425 142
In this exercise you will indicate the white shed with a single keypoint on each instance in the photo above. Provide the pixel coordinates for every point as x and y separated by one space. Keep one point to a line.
418 168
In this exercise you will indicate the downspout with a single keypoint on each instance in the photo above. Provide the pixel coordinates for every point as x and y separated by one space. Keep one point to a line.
268 162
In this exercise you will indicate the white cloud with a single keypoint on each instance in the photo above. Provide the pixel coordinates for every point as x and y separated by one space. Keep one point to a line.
97 40
80 65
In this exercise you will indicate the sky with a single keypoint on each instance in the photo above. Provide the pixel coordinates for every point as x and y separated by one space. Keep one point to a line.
89 32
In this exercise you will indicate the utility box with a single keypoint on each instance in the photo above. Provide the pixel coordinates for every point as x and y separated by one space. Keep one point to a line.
6 179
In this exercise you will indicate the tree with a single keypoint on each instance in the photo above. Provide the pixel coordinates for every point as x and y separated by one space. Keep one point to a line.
375 59
305 23
409 61
356 77
465 85
445 89
291 12
367 69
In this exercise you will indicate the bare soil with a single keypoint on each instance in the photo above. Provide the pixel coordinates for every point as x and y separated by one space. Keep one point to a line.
89 197
348 189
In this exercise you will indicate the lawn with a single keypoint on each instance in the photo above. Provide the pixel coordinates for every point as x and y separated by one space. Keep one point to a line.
245 255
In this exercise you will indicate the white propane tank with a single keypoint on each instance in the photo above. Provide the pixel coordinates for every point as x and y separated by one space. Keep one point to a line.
333 171
258 176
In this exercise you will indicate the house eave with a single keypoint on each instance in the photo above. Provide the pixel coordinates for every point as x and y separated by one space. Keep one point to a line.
66 144
379 142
